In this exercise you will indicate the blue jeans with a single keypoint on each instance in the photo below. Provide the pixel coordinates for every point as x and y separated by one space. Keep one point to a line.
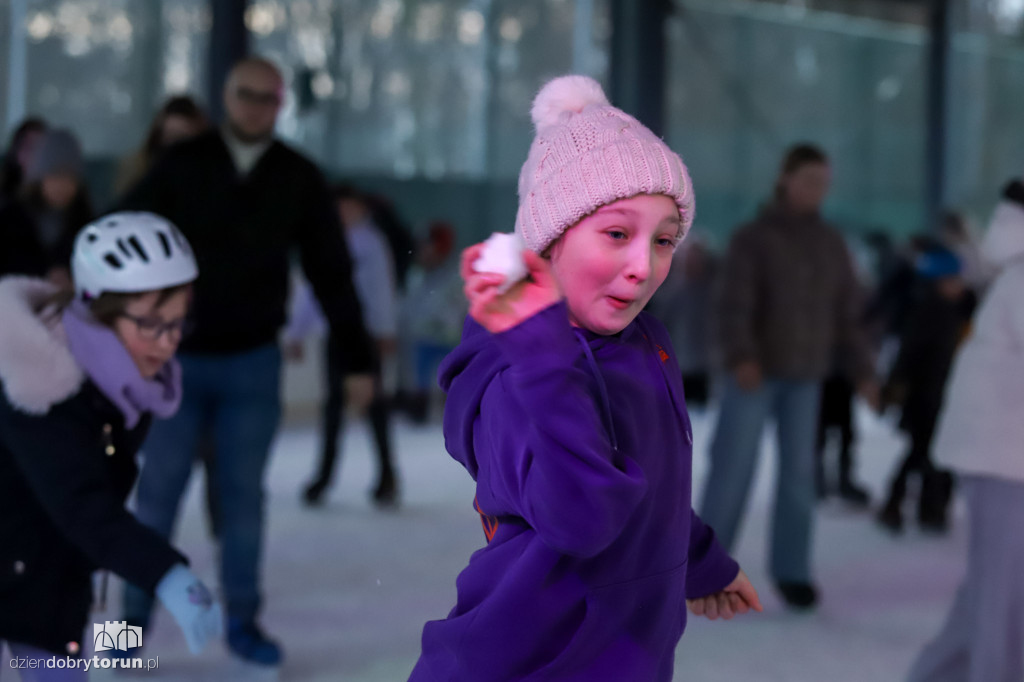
428 358
237 398
734 452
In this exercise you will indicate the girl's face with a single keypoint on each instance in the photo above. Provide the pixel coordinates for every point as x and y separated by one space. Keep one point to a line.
152 333
610 263
59 190
806 187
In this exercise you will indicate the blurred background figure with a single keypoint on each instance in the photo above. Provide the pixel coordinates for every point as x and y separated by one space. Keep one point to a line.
433 311
836 419
398 235
246 201
684 305
937 324
979 436
19 152
373 272
40 221
958 235
180 118
789 301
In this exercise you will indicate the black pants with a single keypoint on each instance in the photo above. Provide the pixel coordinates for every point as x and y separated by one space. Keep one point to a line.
836 416
696 388
379 413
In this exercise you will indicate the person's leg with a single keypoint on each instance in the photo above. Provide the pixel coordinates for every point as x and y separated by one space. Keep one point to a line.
208 460
916 459
849 489
331 422
168 456
997 641
38 672
796 408
245 427
733 458
982 639
386 491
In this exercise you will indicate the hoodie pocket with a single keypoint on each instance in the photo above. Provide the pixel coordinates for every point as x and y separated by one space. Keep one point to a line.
630 629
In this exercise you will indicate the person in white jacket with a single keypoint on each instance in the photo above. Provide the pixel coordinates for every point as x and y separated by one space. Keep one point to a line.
981 437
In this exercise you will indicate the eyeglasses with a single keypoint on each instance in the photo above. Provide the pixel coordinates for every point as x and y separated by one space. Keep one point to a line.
152 328
265 99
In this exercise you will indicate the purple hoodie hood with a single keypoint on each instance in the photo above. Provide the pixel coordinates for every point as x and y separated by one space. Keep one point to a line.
580 446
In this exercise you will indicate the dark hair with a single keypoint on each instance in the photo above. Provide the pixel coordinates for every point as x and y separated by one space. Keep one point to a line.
179 105
11 173
109 306
798 156
76 216
344 190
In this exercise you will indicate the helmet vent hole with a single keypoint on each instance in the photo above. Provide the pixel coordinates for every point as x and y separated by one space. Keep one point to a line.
113 261
124 248
165 242
91 238
138 249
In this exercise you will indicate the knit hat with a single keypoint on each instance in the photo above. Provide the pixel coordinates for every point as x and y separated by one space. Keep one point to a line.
587 154
57 152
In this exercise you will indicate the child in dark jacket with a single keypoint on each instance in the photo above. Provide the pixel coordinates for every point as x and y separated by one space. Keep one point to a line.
565 404
937 324
81 376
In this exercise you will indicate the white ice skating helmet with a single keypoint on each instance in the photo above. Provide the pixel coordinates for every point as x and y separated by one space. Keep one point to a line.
130 252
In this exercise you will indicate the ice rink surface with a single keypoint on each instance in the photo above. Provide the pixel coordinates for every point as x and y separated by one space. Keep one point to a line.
348 587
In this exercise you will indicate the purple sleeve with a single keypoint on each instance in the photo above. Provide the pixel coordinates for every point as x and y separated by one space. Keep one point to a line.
710 568
548 455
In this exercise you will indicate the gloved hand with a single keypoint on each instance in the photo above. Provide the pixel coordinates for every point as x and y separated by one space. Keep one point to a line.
193 607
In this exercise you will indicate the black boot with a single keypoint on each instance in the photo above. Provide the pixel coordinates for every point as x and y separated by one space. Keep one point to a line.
891 516
313 493
798 595
854 494
385 495
936 493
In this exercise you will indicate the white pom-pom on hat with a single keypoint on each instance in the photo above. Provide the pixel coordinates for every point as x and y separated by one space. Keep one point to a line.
565 94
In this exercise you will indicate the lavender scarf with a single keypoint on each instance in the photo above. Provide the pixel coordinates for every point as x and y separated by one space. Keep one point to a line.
106 361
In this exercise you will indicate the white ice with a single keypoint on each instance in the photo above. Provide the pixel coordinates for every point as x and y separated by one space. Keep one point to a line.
348 588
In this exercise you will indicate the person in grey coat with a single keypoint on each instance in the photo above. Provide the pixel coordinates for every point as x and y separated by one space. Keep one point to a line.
788 301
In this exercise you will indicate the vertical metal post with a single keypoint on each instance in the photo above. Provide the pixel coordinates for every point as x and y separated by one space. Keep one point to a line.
17 59
638 59
938 112
229 42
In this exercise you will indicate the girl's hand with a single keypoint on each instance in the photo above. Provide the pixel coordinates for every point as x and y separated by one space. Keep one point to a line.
739 596
500 312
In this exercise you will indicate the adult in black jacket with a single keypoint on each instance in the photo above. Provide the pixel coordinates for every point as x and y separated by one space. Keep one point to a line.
79 382
937 324
245 201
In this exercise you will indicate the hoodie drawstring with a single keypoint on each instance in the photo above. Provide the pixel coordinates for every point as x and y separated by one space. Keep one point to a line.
602 388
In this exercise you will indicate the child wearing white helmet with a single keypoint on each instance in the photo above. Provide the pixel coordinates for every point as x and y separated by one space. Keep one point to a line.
81 376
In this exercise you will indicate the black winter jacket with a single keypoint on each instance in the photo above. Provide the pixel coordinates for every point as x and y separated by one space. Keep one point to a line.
243 230
67 464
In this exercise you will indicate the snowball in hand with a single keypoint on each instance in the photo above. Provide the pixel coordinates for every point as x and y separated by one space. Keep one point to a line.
503 254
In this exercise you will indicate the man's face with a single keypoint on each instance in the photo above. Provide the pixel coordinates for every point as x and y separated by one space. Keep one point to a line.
252 100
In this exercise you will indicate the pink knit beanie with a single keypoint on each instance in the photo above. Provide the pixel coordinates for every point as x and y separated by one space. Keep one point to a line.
587 154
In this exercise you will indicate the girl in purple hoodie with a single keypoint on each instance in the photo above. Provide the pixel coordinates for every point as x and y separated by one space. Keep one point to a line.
566 406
